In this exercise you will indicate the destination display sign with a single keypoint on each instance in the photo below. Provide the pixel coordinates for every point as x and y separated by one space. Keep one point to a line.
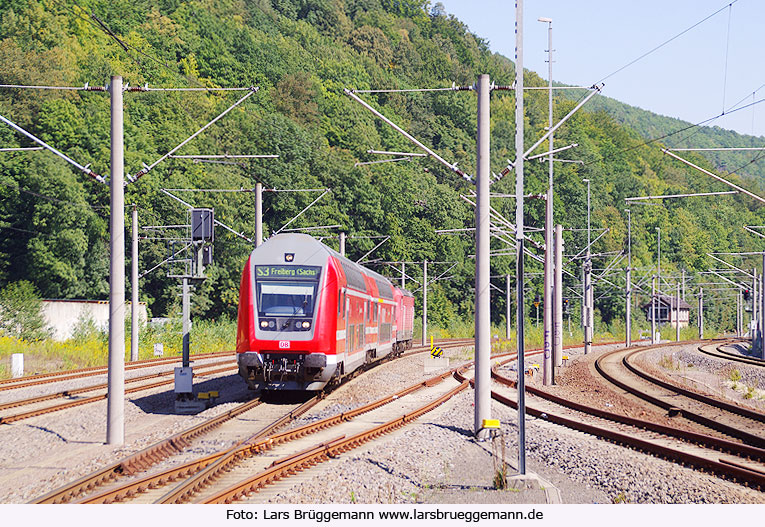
309 272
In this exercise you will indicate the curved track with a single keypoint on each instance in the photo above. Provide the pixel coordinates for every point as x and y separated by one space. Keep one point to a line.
734 460
729 419
718 352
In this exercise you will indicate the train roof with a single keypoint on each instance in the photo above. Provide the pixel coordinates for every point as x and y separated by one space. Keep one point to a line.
307 250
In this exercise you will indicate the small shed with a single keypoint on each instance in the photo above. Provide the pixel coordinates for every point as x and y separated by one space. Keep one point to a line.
667 312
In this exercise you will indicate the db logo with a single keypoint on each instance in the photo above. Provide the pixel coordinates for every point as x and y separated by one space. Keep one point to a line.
284 344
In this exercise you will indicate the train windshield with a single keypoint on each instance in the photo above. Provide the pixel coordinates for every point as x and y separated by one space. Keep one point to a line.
286 298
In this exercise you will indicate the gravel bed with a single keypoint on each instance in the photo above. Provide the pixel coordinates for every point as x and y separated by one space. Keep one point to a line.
414 466
691 369
435 460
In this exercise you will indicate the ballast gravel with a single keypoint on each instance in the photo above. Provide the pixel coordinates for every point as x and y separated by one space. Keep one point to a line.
436 460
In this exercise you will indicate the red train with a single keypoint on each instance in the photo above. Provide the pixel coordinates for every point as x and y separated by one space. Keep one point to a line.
309 316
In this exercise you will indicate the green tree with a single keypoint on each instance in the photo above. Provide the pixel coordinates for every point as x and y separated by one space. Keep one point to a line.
21 312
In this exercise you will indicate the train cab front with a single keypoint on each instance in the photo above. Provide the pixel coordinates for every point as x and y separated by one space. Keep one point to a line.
284 351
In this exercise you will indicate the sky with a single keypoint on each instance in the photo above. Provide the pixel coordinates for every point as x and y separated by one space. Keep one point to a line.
713 68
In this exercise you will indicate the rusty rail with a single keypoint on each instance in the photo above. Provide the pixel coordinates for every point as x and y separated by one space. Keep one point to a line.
46 378
727 468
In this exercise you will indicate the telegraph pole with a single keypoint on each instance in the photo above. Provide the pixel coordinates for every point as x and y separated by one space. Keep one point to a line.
701 313
508 311
628 305
677 314
483 271
115 412
653 310
134 289
762 309
548 267
519 236
588 296
424 302
755 314
259 214
342 244
558 299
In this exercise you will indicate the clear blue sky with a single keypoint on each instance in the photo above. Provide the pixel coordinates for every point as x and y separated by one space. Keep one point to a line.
686 78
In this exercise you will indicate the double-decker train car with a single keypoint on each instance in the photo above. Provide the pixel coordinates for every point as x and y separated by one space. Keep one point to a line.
309 316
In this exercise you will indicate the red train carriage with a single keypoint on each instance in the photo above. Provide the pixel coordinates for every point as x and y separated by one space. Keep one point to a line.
308 316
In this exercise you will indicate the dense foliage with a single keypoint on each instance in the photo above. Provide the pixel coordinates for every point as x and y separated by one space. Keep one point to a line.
301 54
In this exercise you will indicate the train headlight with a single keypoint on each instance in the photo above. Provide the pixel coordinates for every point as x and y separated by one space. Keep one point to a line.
264 323
306 324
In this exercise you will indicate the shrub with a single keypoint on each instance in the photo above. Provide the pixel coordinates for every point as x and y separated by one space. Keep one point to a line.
21 312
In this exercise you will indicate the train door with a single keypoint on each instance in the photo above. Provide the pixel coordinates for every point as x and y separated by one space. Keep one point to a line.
362 326
348 326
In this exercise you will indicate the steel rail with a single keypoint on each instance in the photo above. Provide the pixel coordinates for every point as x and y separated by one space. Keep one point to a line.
32 380
165 448
190 488
150 481
71 404
85 389
732 408
324 451
141 460
719 353
723 445
691 416
752 477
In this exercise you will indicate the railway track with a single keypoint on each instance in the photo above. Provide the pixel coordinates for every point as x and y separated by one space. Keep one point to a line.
171 446
60 376
735 460
619 368
210 369
718 352
74 399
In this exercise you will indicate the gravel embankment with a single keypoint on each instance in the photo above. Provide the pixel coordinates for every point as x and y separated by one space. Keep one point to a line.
435 460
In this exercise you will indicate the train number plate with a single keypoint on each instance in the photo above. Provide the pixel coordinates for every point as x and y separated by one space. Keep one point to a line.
284 344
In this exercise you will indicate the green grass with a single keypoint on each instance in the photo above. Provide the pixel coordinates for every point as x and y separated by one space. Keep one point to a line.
90 347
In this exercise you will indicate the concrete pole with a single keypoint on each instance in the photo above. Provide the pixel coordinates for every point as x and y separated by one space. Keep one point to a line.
134 289
701 313
342 244
508 304
588 302
738 313
628 314
519 234
762 309
258 214
684 286
186 307
628 304
677 314
425 303
558 300
403 275
588 296
653 310
658 258
755 311
115 412
547 307
482 261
